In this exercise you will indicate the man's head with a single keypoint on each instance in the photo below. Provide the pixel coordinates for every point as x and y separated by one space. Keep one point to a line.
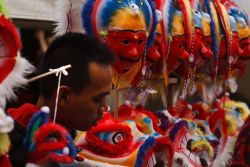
82 92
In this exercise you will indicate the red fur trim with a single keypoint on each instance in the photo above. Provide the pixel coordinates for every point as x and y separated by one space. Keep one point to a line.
42 134
97 145
217 120
202 113
125 111
164 144
61 158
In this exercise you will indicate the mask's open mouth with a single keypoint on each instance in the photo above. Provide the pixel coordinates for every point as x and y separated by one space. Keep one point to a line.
204 150
182 140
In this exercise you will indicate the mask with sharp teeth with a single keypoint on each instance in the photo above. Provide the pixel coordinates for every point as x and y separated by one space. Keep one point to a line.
182 140
123 26
117 142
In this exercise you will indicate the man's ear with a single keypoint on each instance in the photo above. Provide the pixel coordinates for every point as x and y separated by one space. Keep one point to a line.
64 95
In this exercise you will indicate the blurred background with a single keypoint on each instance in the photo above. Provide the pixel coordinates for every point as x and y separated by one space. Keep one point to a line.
36 22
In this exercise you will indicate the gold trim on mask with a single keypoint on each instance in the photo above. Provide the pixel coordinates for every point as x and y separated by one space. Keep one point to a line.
121 81
126 19
177 25
206 26
243 30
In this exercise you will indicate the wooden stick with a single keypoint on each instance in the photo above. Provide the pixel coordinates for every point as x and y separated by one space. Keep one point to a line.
47 73
116 114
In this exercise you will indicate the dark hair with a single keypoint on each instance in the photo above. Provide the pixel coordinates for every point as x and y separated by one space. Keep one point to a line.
76 49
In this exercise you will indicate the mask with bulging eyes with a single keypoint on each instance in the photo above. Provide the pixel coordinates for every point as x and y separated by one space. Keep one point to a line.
121 143
48 142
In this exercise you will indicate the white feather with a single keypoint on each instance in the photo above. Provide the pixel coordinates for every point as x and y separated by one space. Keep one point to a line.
68 16
223 158
15 80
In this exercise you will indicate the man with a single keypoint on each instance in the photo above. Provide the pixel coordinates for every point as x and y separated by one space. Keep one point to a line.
82 94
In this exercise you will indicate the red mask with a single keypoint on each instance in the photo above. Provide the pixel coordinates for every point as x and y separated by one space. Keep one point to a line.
177 53
154 52
9 45
236 50
128 47
245 46
202 51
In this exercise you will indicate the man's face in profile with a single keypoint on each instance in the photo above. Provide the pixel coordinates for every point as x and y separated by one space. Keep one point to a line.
85 108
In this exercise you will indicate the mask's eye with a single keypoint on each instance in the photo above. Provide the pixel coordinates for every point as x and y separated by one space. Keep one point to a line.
197 12
54 136
202 129
238 110
117 137
112 137
195 113
125 42
140 42
180 46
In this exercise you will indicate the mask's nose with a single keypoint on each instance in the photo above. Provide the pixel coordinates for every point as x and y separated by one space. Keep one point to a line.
153 54
132 54
207 53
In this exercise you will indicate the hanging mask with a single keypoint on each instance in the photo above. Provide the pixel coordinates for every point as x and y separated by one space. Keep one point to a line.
242 27
177 32
12 66
123 26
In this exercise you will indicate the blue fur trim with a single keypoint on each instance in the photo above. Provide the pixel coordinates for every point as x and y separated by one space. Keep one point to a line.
86 16
213 30
108 9
149 142
151 37
72 147
145 10
174 131
236 12
39 119
170 11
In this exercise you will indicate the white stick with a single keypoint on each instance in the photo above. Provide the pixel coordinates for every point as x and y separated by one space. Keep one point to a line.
48 73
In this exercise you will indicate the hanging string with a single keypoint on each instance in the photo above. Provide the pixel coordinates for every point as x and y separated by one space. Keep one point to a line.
59 72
